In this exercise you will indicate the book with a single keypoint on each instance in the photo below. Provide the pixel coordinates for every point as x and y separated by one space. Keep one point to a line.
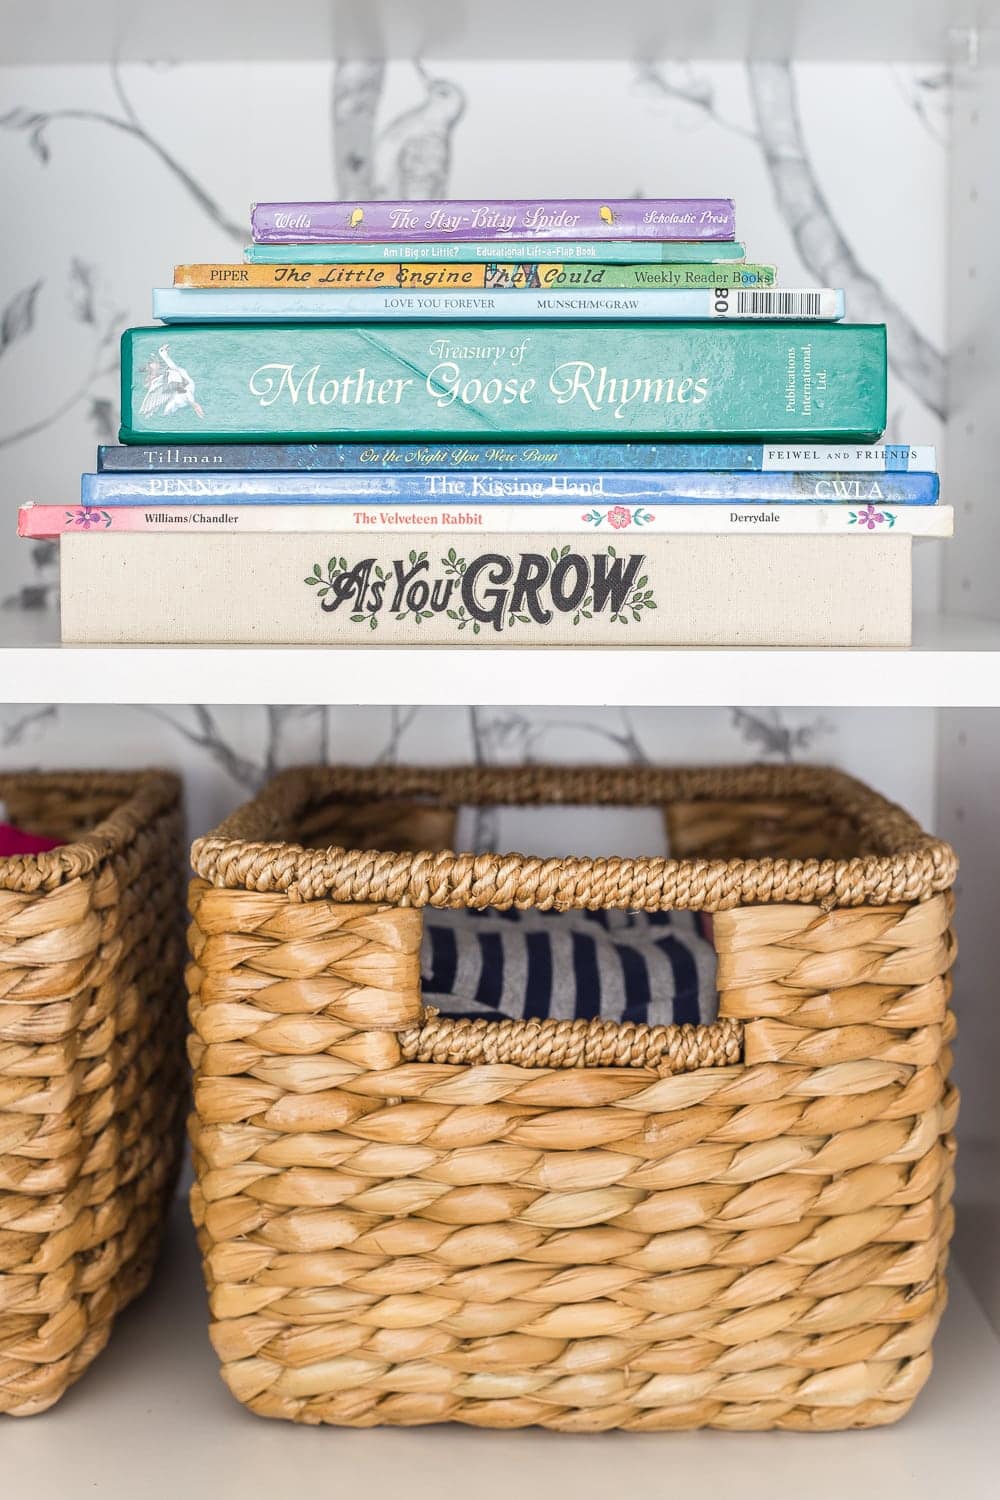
643 252
501 456
757 381
695 487
231 305
44 522
496 219
501 590
492 276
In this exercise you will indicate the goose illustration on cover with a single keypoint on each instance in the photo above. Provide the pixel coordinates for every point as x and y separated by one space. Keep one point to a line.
169 387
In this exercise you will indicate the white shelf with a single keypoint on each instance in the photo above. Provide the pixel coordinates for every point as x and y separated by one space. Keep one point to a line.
955 663
152 1418
187 30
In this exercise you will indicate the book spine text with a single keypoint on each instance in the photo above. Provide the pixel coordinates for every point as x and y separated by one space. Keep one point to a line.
200 305
552 522
697 487
499 219
498 276
765 381
500 457
627 252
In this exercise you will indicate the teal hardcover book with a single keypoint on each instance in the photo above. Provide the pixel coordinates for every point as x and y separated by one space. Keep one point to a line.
322 381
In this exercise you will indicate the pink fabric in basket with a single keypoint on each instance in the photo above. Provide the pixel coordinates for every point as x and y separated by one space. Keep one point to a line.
15 841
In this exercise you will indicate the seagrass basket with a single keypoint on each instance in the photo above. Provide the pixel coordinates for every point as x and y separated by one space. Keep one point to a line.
406 1219
92 1076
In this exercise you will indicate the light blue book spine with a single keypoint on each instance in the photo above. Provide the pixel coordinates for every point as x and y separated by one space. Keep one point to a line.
552 458
232 305
620 252
694 488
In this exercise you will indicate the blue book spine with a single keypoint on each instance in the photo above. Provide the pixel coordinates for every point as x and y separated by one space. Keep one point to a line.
173 304
467 252
196 458
664 488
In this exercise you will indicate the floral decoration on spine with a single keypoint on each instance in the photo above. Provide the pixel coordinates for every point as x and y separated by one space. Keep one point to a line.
619 516
870 519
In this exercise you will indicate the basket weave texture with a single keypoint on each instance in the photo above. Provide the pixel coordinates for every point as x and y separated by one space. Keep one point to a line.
406 1219
92 1088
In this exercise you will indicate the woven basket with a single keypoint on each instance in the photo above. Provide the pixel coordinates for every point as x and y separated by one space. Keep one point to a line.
405 1219
92 1091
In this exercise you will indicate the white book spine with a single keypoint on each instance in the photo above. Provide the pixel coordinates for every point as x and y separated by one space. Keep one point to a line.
494 589
375 518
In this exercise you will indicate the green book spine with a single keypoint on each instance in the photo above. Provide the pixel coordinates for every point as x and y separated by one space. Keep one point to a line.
329 381
465 252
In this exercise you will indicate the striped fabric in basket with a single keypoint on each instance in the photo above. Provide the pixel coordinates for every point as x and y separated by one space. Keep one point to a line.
656 968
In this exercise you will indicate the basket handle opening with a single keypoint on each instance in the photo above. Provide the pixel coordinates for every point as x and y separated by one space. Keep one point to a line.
460 956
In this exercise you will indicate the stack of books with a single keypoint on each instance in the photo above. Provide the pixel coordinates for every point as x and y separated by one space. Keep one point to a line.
500 423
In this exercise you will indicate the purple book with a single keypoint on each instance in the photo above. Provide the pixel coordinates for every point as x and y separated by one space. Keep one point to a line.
495 219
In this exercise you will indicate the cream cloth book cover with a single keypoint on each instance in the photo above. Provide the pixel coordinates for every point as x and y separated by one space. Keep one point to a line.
488 590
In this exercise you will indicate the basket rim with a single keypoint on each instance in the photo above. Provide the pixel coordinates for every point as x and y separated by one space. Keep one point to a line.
144 795
897 861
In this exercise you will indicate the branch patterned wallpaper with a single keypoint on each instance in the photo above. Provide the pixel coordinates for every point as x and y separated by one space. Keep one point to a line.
114 174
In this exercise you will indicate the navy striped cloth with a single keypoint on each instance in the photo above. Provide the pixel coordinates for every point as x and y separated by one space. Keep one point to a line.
654 967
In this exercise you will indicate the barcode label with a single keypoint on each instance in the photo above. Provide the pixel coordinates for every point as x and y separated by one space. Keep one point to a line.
740 302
